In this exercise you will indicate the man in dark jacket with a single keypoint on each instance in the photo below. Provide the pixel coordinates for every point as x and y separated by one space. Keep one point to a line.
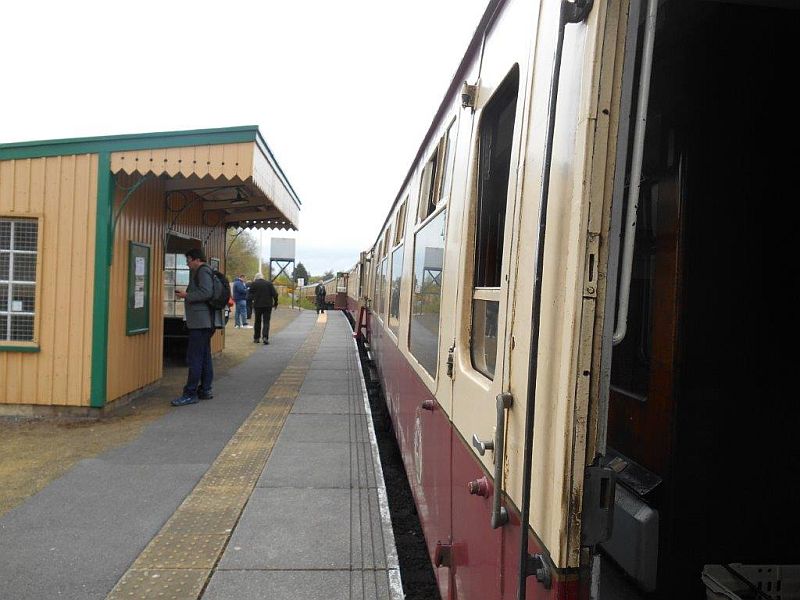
265 298
319 293
201 320
240 298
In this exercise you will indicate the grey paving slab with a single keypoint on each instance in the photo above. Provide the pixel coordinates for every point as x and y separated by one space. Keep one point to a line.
281 585
315 375
304 465
327 387
291 528
316 428
369 585
366 535
307 403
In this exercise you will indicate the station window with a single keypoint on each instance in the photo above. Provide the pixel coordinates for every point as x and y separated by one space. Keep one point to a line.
423 336
394 290
494 160
19 250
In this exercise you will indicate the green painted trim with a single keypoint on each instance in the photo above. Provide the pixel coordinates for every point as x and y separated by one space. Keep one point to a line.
118 143
102 276
19 349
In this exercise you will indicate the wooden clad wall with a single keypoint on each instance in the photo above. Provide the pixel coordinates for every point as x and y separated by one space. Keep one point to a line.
136 361
62 190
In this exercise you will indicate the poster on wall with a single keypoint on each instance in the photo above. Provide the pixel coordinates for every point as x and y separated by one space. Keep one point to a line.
138 311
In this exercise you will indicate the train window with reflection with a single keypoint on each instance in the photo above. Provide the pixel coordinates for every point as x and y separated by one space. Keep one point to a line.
394 290
400 223
448 147
494 160
382 288
427 187
423 336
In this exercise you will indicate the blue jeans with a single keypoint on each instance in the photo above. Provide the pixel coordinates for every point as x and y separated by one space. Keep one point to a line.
241 312
198 358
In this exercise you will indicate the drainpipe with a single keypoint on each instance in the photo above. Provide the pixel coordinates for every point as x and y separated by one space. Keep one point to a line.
571 12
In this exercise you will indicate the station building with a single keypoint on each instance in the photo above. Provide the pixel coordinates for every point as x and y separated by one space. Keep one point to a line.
92 236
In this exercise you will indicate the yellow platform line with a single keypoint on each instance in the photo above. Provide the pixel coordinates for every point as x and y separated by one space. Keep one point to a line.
179 560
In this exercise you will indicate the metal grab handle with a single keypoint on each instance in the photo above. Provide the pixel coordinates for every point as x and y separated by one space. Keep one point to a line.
480 445
499 513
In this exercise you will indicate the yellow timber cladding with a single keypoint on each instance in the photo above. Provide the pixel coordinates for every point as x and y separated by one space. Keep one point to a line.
60 192
66 290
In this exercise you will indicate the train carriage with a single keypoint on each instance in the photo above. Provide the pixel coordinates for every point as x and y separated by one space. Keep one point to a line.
574 303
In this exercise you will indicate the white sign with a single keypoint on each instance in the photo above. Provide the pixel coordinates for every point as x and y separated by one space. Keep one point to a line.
139 269
301 282
281 249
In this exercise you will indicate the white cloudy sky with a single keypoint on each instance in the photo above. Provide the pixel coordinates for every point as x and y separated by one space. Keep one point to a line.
342 91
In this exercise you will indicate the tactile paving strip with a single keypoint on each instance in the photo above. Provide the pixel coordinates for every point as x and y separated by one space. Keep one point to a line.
179 560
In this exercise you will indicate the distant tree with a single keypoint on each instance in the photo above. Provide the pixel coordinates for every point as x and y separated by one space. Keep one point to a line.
301 272
327 275
242 254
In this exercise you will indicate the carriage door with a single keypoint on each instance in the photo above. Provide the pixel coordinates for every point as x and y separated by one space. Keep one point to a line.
481 371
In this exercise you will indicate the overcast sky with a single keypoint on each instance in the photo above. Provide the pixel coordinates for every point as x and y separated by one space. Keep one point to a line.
343 92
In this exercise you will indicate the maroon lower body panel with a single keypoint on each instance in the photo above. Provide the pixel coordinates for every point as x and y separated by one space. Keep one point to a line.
471 560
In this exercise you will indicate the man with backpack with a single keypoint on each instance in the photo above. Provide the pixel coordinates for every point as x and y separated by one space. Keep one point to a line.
265 298
203 294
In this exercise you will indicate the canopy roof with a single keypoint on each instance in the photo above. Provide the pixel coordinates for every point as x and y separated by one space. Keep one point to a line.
231 169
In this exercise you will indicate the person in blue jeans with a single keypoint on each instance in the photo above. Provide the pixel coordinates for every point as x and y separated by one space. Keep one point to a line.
201 321
240 298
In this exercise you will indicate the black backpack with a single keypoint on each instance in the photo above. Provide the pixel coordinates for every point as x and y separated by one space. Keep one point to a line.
222 291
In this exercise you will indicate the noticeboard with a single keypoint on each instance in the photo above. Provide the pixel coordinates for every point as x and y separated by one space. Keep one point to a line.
138 312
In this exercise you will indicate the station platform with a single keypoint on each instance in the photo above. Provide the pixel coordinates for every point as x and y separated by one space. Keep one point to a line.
271 490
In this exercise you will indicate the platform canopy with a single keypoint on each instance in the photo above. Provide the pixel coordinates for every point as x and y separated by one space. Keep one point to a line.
231 170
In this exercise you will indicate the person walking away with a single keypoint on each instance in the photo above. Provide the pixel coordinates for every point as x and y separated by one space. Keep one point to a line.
249 301
240 298
265 298
201 320
319 294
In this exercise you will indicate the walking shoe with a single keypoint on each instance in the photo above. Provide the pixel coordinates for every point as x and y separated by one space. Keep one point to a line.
184 400
205 395
266 342
236 326
255 341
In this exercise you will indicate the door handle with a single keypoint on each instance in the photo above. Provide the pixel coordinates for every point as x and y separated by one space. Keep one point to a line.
482 445
499 513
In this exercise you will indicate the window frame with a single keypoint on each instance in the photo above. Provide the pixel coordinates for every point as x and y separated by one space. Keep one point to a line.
31 345
482 292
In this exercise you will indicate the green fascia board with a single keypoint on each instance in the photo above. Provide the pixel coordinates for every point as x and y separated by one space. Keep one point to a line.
12 348
122 143
102 277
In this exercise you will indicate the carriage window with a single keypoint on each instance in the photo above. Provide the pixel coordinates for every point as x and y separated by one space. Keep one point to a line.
400 223
387 236
394 294
427 187
19 248
494 161
449 149
382 288
427 290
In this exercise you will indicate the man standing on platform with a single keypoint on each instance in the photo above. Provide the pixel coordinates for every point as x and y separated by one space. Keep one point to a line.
240 298
319 293
265 298
201 320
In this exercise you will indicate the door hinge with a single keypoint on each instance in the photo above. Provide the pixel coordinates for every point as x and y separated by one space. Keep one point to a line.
443 555
536 566
450 361
599 488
